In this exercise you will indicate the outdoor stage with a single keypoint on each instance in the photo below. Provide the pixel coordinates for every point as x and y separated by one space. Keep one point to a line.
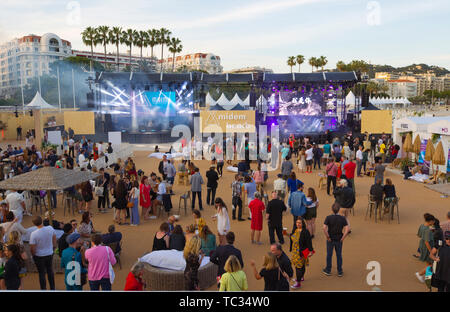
145 107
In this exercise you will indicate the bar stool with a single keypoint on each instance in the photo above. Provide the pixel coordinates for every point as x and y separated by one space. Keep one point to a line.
68 202
38 200
372 206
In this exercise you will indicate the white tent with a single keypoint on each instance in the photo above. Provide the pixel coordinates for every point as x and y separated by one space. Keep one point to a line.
39 102
223 101
246 102
235 100
209 100
350 101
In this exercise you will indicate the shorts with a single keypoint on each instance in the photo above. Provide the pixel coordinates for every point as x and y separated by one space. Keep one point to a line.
309 162
310 213
326 155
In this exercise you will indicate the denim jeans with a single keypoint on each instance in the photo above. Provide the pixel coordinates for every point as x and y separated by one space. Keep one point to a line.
336 245
210 195
44 265
104 283
199 194
237 204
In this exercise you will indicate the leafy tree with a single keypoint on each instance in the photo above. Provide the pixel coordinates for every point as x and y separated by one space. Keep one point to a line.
291 62
300 59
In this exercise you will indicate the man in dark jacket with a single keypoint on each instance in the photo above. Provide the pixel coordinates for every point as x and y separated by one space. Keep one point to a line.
284 263
345 198
274 215
243 168
211 185
221 254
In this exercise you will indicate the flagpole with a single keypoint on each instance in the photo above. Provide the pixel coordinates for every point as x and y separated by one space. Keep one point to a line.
73 89
59 90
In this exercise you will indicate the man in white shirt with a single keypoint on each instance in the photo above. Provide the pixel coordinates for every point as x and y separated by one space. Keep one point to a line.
359 159
71 144
81 159
42 244
16 204
280 185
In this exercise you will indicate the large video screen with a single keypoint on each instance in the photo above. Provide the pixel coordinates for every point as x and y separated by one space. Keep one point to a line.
161 103
297 103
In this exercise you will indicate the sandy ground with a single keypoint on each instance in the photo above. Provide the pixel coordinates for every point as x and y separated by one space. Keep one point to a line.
392 245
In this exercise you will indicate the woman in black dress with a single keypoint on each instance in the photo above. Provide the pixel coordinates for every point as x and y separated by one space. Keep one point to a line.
161 240
271 272
13 267
120 194
177 240
193 257
88 196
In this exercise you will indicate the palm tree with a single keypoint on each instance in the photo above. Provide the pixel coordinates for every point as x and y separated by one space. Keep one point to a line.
153 35
300 60
102 37
291 61
141 40
129 38
163 39
341 66
88 37
175 46
322 61
312 61
115 37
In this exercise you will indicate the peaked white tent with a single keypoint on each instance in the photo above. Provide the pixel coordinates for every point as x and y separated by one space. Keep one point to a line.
350 101
39 102
246 102
223 101
209 100
235 100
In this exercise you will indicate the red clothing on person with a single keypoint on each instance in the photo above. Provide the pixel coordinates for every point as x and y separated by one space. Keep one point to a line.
133 284
256 207
144 194
350 170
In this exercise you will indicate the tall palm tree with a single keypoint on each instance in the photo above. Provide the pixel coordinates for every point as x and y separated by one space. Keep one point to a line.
102 37
341 66
163 39
88 37
175 46
141 40
291 62
129 38
115 37
300 60
153 35
323 61
312 61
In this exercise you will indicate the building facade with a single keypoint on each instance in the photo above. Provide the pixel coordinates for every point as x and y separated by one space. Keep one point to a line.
427 82
111 60
386 76
24 58
250 70
402 88
198 61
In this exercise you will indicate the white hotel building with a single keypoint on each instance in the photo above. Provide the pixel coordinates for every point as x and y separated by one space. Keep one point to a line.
197 61
24 58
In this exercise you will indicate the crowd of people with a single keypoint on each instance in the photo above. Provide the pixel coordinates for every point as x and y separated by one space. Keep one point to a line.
125 188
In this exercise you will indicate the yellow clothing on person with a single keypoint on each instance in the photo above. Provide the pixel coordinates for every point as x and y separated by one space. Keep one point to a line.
297 260
200 224
236 281
382 148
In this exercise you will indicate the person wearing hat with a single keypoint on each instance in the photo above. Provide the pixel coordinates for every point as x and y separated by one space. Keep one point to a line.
71 262
441 254
297 202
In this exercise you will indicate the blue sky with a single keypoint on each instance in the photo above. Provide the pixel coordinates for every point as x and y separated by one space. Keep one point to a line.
256 33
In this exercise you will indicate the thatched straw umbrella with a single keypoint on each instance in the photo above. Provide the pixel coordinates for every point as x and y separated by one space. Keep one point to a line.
439 157
416 146
429 152
407 145
47 179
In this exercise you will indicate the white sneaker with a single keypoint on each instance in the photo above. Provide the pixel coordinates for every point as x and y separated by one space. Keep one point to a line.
420 277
